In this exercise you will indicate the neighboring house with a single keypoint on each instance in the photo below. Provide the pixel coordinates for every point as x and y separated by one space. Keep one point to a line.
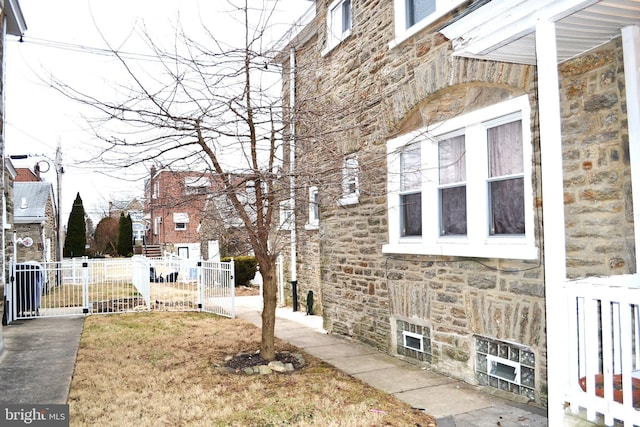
174 206
34 216
12 23
488 153
135 209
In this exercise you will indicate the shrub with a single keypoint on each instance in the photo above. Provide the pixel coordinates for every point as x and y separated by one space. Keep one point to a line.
245 269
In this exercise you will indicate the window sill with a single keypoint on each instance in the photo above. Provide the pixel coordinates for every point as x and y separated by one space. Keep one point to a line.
335 43
312 226
489 250
352 199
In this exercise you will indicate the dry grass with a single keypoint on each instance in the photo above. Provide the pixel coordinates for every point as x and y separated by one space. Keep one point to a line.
150 369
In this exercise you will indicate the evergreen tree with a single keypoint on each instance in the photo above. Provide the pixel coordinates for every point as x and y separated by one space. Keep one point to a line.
125 235
76 239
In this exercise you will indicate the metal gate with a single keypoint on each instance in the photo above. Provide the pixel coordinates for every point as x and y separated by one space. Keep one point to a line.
90 286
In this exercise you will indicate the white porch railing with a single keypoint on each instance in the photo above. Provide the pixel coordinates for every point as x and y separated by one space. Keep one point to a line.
604 349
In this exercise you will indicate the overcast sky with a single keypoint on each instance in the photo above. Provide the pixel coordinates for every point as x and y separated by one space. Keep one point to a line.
64 40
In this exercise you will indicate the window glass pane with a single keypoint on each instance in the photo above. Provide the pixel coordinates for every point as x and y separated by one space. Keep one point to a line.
346 15
453 211
410 178
507 206
419 9
411 207
350 176
505 149
451 160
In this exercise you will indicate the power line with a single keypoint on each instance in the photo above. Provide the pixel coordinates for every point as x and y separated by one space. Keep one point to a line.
72 47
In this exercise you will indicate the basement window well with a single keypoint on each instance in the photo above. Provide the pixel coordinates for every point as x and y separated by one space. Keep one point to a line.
505 366
413 341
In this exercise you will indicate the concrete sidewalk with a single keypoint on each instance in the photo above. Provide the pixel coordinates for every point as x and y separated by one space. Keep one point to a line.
451 402
37 364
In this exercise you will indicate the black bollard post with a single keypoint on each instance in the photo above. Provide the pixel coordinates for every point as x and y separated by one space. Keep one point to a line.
309 303
294 294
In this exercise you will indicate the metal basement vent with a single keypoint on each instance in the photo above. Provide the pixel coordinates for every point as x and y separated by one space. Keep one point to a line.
413 341
505 366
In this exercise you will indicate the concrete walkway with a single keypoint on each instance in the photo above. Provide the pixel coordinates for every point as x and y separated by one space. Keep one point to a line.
37 364
453 403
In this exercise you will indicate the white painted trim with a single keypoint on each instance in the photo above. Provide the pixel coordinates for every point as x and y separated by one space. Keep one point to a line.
553 219
478 242
502 21
334 38
631 52
400 19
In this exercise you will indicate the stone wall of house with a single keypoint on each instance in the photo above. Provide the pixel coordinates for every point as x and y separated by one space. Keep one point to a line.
598 206
382 93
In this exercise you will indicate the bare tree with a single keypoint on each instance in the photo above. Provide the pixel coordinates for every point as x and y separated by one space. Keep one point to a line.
217 108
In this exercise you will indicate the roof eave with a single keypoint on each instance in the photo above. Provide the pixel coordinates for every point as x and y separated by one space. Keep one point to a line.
16 24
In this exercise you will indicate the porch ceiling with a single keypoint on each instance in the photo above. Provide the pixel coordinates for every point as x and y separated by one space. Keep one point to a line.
504 30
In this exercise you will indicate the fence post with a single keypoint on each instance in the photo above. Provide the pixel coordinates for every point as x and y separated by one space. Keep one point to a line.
9 303
232 284
85 285
199 281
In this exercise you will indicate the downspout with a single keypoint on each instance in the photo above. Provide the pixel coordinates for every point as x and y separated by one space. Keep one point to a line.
5 225
554 254
630 49
292 180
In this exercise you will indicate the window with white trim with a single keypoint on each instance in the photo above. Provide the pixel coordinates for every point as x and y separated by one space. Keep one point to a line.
314 209
156 225
411 16
463 187
180 220
287 217
350 181
339 22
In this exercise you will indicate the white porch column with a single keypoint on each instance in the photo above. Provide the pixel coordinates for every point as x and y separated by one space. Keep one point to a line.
631 52
553 217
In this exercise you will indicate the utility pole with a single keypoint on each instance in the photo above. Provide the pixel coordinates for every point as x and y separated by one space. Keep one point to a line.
59 172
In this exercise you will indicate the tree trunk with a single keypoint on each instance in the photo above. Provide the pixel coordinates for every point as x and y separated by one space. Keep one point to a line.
270 299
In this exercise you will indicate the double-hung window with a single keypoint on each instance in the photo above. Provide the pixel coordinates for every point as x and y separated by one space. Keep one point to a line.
314 209
452 188
410 192
339 23
350 181
287 217
463 187
411 16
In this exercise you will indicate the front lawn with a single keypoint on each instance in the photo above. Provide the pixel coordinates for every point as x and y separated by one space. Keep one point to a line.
164 368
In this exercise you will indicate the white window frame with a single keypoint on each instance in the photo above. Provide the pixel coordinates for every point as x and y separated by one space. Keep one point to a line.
335 17
287 215
478 242
400 19
156 225
350 178
314 209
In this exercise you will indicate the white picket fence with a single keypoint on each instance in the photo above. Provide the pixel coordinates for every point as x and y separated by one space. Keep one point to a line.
91 286
604 349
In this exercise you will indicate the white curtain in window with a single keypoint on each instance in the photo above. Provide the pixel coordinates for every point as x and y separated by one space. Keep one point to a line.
505 149
506 188
451 160
411 178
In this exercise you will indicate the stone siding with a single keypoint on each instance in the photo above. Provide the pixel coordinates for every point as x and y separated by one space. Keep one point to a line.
598 206
381 93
